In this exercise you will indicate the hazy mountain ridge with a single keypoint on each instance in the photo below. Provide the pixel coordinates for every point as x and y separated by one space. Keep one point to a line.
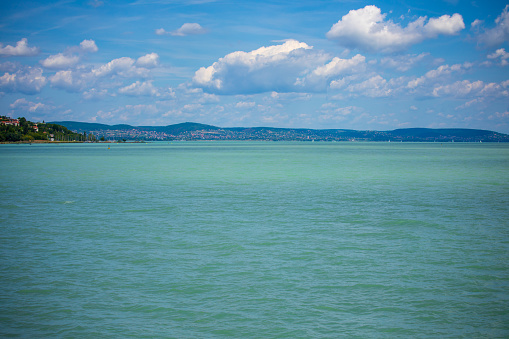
197 131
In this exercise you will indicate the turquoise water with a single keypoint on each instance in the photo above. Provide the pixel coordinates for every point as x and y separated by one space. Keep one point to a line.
255 240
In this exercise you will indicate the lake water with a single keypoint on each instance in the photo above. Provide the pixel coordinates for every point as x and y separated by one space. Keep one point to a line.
255 240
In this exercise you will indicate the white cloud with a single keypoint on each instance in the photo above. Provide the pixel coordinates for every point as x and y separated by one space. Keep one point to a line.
375 86
470 103
446 24
468 89
245 104
403 63
476 23
338 66
94 93
368 85
207 98
496 35
83 77
72 81
184 30
459 88
437 74
341 83
28 80
277 68
115 66
60 61
88 46
502 54
192 107
69 57
140 89
148 60
322 76
367 29
124 67
9 67
189 29
28 106
21 49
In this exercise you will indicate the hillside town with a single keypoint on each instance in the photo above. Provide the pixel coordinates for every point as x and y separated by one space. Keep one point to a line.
194 131
22 130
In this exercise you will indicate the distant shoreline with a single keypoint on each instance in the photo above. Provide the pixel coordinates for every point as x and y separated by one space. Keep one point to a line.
108 142
190 131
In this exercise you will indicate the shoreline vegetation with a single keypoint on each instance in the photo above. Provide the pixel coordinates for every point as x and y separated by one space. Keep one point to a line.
23 131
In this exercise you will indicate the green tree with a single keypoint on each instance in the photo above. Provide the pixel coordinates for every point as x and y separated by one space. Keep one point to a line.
23 123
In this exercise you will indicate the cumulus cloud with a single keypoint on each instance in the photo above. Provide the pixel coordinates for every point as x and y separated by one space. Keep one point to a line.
140 89
71 81
21 49
28 80
124 67
322 76
88 46
367 29
500 54
466 88
28 106
496 35
437 74
337 66
69 57
148 60
280 68
184 30
374 87
60 61
82 78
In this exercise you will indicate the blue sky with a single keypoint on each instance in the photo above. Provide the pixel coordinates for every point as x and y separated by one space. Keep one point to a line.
375 65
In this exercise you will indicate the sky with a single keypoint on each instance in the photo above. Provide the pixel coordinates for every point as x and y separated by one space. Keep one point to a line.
346 64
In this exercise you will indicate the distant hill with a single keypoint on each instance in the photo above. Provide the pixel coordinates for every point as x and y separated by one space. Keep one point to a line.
196 131
181 128
90 126
433 133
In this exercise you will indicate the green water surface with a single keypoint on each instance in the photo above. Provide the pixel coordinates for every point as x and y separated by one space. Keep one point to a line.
254 240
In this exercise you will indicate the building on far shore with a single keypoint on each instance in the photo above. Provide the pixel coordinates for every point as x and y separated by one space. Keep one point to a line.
10 121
